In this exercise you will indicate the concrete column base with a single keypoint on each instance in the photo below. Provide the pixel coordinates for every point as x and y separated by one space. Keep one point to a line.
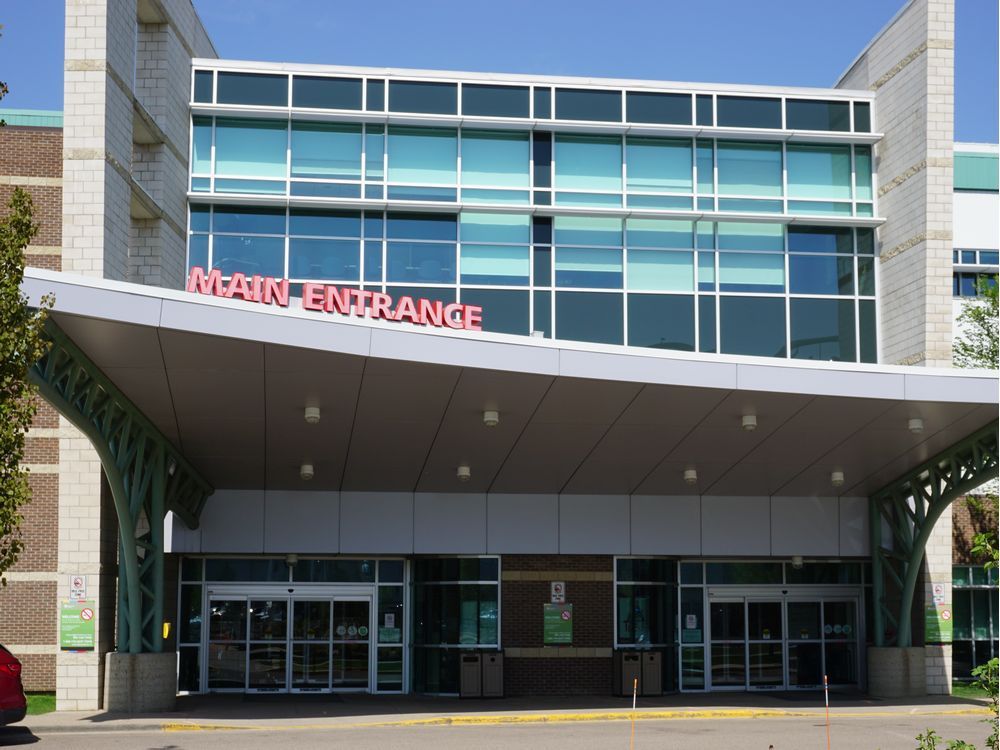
140 683
895 672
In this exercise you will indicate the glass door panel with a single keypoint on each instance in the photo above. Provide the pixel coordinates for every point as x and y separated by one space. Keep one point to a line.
840 632
805 645
764 636
728 651
267 665
311 645
351 643
227 644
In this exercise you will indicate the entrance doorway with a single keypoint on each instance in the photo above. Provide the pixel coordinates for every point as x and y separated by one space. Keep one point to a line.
272 642
779 642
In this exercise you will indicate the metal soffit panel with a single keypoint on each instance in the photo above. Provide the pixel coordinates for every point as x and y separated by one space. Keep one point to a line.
234 406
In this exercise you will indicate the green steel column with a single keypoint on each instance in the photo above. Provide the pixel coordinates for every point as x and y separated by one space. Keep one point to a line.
878 577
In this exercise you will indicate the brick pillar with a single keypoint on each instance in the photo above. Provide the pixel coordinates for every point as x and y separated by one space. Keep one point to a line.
937 571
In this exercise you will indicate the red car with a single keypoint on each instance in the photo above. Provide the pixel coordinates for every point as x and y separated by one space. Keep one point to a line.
13 704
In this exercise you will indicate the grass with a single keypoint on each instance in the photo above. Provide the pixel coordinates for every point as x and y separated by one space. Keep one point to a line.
41 703
967 690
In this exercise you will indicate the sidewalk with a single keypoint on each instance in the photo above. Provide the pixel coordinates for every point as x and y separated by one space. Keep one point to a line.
352 711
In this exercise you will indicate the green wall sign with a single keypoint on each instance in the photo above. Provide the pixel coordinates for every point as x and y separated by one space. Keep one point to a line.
557 621
938 623
76 625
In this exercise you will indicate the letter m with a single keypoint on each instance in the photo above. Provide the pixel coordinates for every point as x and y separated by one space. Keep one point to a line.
199 282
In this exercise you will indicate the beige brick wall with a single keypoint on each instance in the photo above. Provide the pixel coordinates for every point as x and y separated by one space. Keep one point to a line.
910 67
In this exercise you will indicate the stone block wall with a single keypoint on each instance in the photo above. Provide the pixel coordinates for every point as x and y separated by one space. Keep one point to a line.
910 67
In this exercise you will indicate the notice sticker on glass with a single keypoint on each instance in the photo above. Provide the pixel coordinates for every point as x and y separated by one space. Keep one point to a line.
390 619
690 622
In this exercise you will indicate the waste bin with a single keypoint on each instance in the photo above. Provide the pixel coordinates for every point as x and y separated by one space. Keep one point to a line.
652 673
470 678
493 674
628 669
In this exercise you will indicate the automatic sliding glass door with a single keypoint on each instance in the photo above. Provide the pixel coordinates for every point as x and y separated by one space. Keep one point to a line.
352 643
310 645
267 665
765 638
728 644
227 644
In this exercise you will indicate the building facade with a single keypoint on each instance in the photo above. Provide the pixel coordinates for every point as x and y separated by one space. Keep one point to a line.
574 377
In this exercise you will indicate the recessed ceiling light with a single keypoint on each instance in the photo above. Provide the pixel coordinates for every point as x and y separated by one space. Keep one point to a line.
837 478
491 417
312 414
464 473
749 422
306 472
691 476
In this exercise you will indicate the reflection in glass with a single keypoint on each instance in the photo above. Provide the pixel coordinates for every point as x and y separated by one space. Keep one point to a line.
805 664
728 666
311 620
267 666
268 619
227 665
311 666
766 666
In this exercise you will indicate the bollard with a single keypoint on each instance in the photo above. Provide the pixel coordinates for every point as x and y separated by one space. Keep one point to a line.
635 690
826 696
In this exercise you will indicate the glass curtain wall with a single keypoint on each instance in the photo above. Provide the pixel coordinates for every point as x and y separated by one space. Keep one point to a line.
646 610
804 292
456 608
976 615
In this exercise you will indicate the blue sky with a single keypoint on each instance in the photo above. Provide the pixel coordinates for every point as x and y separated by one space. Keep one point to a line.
794 42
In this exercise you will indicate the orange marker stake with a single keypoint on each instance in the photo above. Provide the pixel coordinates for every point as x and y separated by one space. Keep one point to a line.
826 695
635 690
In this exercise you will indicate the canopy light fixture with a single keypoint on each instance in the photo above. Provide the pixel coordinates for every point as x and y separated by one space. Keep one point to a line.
312 415
464 473
691 476
306 472
837 478
291 559
797 562
491 417
749 422
171 467
915 425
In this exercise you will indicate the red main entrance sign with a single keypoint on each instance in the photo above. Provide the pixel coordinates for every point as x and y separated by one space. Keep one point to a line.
360 303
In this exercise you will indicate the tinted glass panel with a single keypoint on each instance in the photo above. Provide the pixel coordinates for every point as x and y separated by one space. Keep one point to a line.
747 236
596 268
543 103
658 165
819 171
252 88
543 159
749 168
823 329
324 259
866 324
751 272
753 326
324 223
660 233
503 265
421 227
494 228
661 321
587 230
236 569
202 86
862 117
503 311
866 241
252 220
249 255
326 93
543 314
423 156
430 98
742 573
748 112
375 95
585 104
819 239
435 294
821 274
660 271
326 151
373 261
495 101
496 159
201 145
668 109
543 266
420 262
863 173
706 324
704 109
806 114
250 148
588 163
589 316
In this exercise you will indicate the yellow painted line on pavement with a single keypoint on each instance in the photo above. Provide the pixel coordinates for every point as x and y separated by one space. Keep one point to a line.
558 718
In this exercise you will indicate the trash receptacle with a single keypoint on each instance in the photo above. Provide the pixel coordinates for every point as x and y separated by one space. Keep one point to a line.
629 669
652 673
470 677
493 674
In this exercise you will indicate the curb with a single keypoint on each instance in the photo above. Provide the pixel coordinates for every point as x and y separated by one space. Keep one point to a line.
485 720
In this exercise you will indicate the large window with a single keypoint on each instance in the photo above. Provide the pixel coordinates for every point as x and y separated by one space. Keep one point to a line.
588 170
976 619
456 607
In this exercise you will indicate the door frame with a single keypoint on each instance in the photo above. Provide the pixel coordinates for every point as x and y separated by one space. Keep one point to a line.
367 592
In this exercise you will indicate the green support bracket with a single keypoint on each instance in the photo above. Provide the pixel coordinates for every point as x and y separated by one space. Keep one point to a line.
907 509
147 475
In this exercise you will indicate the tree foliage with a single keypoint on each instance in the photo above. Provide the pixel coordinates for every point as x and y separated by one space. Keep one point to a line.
21 345
977 346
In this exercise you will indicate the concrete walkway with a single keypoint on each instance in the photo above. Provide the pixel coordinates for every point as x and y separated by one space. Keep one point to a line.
297 712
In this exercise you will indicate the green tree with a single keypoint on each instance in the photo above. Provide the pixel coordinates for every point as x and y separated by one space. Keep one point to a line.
21 345
978 344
